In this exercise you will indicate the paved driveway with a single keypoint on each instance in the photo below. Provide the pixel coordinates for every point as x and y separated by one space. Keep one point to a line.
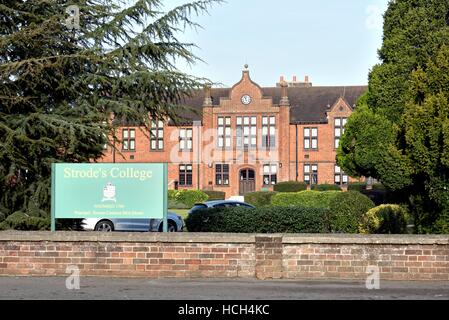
176 289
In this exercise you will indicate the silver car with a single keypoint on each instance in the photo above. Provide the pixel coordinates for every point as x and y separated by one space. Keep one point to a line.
175 224
220 204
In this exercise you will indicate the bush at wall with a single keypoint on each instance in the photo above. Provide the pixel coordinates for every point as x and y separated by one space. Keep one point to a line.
384 219
173 204
346 210
310 199
172 194
215 195
326 187
260 220
259 199
356 186
190 197
290 186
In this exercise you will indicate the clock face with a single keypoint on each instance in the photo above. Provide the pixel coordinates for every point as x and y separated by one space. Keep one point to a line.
246 99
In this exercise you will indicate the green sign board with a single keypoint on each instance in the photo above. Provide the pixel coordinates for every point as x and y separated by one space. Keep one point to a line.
109 190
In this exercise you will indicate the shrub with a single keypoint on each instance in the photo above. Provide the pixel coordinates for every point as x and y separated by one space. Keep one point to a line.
215 195
309 199
290 186
260 220
173 204
356 186
259 199
22 221
172 194
346 210
190 197
326 187
384 219
378 186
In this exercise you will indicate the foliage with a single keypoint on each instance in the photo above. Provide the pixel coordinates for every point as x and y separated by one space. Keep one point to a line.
326 187
215 195
60 86
346 210
259 199
22 221
399 133
260 220
356 186
172 194
384 219
309 199
173 204
190 197
290 186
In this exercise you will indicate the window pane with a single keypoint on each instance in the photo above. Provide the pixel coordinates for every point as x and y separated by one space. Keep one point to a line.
306 144
161 133
218 179
253 131
306 132
182 133
272 130
337 169
306 168
273 168
337 142
246 131
250 174
153 133
220 131
189 168
273 179
160 124
253 120
220 121
220 142
245 120
314 132
264 131
132 145
228 142
218 168
182 144
228 131
239 120
344 121
314 168
337 122
182 167
314 144
345 178
266 179
264 120
153 144
337 178
225 179
337 132
153 124
253 141
161 144
273 120
228 120
226 168
125 134
132 133
266 168
125 145
306 178
189 179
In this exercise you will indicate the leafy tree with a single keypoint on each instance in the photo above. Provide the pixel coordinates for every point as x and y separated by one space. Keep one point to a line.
399 132
59 85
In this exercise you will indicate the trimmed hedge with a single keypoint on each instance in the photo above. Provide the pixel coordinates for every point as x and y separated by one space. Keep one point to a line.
384 219
260 198
346 210
260 220
290 186
190 197
357 186
215 195
172 194
309 199
325 187
173 204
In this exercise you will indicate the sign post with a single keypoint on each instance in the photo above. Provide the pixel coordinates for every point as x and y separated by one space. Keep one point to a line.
109 190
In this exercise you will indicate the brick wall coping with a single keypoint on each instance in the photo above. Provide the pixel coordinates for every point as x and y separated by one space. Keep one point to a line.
72 236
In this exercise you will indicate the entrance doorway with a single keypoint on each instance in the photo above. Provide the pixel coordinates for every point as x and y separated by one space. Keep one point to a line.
247 181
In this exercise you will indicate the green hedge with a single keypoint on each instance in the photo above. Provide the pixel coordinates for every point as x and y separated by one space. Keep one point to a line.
346 210
290 186
309 199
259 199
215 195
356 186
173 204
190 197
260 220
325 187
172 194
384 219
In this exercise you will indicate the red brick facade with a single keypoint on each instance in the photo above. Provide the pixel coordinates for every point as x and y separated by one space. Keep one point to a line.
243 123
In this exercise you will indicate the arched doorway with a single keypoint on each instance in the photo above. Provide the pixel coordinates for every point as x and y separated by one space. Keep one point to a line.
247 180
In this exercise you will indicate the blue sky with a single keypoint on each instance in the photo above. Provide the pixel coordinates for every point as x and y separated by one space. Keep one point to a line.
335 42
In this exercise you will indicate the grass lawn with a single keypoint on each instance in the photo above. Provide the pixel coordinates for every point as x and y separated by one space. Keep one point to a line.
181 212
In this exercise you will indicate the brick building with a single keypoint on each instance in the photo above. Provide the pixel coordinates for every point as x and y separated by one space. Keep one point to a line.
247 138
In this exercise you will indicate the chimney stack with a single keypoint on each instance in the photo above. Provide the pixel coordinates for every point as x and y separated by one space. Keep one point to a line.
281 79
294 78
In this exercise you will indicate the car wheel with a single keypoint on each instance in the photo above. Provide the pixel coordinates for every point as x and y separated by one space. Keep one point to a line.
104 226
171 227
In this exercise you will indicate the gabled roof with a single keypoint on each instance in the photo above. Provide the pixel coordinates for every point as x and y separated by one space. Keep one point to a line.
308 104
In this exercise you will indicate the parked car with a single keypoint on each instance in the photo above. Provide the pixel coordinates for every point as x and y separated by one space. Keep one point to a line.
220 204
175 223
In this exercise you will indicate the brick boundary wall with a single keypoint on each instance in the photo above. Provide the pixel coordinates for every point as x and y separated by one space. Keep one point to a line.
219 255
